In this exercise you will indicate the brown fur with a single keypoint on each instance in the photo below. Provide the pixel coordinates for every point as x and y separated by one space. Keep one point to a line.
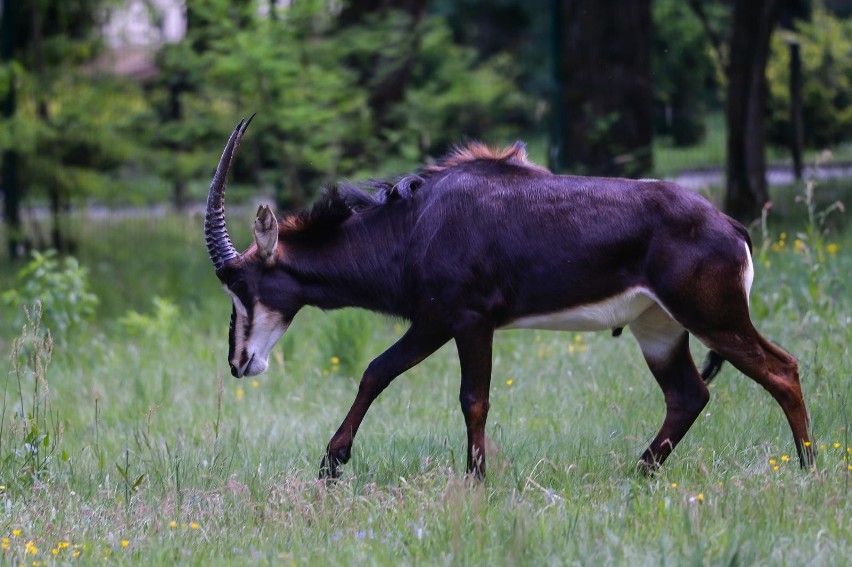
473 151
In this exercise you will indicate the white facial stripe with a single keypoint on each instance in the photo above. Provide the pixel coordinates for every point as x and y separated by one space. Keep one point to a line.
241 309
267 326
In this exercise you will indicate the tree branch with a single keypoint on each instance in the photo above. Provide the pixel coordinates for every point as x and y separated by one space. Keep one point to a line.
714 38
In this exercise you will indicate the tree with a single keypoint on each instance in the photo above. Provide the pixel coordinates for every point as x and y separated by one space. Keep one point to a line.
57 128
826 97
684 73
9 166
604 74
385 73
743 62
745 107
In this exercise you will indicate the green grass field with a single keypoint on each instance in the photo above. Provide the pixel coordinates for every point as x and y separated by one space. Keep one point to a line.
139 448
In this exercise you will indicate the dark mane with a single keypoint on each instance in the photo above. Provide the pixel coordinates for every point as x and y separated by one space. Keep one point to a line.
515 154
339 202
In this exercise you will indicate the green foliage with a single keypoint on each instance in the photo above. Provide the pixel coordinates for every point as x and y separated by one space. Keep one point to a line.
158 324
164 451
69 123
29 430
826 53
346 341
60 286
315 121
452 96
683 70
810 254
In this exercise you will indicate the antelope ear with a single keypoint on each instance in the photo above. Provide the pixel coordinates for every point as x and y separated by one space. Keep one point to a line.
265 232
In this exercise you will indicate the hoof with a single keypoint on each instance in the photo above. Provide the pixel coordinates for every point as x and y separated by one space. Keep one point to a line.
329 469
332 463
647 468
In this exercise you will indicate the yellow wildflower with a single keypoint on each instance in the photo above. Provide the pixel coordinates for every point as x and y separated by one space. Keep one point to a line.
255 383
836 445
807 443
5 543
30 548
63 544
775 467
700 497
674 485
240 393
16 533
785 458
55 551
772 461
832 248
509 382
124 543
194 525
172 524
335 360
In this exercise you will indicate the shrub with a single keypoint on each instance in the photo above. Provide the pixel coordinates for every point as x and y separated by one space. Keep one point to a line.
60 286
826 51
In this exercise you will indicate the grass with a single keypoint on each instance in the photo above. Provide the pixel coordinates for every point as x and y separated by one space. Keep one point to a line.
155 455
669 160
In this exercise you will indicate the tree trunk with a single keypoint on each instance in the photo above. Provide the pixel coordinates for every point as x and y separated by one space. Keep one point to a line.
753 21
12 190
797 121
605 78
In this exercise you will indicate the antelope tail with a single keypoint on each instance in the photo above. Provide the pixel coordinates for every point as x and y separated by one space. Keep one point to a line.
712 366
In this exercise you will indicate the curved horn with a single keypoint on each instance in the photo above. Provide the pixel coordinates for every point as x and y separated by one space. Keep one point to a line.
219 245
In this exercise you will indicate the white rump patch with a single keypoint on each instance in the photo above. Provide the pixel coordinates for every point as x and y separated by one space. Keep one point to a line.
615 311
748 272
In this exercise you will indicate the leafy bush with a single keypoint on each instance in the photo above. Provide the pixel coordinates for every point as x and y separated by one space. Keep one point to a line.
155 325
452 96
826 51
59 285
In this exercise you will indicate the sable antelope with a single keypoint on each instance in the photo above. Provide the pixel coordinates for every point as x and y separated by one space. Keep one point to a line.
486 240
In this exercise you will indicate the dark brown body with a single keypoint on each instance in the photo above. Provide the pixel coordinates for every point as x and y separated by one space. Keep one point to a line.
487 240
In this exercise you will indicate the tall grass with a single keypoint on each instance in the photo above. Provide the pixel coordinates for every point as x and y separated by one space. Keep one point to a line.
160 457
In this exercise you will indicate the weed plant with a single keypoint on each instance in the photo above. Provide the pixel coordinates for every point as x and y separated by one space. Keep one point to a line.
131 444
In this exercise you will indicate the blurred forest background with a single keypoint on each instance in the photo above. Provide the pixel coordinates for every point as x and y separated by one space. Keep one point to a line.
121 107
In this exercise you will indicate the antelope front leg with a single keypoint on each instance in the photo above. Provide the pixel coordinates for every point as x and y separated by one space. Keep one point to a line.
474 342
415 345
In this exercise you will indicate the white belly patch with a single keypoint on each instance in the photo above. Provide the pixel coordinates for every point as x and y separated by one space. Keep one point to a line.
616 311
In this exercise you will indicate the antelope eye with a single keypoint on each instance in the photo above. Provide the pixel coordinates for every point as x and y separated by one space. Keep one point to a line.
238 287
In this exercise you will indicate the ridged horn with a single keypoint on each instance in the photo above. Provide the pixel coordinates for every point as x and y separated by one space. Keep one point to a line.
219 245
